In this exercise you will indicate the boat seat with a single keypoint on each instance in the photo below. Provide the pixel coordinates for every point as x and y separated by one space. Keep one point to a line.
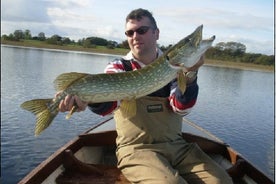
80 172
77 171
110 175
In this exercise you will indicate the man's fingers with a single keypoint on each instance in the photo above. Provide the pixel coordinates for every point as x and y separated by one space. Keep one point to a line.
69 102
81 105
61 106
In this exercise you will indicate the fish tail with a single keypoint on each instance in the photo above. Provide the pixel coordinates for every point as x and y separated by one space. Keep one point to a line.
44 110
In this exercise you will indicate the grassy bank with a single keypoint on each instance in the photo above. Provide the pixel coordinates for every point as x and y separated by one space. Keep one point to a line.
119 51
236 65
72 47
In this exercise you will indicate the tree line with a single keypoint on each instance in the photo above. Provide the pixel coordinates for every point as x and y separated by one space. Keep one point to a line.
233 51
224 51
236 52
90 42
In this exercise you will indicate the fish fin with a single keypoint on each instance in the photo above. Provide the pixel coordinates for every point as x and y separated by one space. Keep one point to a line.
64 80
128 107
181 82
74 109
44 115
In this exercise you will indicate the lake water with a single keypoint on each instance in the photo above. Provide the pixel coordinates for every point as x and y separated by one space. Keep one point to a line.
235 105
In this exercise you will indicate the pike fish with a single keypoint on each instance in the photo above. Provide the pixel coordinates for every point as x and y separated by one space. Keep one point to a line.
125 86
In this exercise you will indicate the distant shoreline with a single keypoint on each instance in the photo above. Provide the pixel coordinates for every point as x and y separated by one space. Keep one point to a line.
104 51
58 50
237 65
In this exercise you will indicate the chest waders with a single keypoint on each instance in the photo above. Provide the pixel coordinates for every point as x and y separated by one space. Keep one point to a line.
150 148
153 124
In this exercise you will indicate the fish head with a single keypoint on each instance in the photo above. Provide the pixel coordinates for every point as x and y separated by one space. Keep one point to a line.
188 51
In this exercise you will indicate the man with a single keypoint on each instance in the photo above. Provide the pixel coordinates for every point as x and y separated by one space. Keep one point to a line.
150 148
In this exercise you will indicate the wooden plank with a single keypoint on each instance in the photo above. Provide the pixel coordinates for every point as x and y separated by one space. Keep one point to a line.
43 170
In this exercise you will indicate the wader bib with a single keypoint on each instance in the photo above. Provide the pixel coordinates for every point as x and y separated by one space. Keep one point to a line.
150 147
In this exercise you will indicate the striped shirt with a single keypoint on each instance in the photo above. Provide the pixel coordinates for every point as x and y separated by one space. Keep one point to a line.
180 103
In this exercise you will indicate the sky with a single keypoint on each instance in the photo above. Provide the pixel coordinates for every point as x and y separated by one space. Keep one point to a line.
250 22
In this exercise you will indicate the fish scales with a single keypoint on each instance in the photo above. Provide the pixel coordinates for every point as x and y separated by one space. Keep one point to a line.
126 86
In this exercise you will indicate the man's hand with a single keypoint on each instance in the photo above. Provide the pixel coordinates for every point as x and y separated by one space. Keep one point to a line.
196 66
69 101
191 72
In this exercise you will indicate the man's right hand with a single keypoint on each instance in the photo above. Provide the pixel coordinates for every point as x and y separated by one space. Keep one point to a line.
69 101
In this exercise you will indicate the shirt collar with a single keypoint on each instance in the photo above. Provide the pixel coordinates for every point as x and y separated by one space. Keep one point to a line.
129 56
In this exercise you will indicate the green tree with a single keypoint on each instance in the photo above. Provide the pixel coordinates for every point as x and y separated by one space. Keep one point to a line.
11 36
18 34
233 48
81 41
124 45
87 43
41 36
7 37
111 44
249 58
55 40
65 40
98 41
265 60
27 34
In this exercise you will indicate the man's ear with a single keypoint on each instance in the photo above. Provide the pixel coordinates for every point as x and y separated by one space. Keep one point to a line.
157 32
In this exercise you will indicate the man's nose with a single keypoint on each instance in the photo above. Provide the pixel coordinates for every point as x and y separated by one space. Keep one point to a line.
135 35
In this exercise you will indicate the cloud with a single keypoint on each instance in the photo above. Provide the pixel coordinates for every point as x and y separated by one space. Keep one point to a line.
253 29
71 3
48 16
20 10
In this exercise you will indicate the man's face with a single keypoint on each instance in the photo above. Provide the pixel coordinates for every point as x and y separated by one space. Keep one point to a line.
141 44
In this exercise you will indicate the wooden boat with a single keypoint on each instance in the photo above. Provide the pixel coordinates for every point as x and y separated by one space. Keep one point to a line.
90 158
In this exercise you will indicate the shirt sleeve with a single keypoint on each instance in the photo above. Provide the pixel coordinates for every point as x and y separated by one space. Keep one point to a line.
103 108
183 103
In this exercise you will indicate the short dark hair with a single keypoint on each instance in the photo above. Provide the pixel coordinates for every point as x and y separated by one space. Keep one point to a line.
138 14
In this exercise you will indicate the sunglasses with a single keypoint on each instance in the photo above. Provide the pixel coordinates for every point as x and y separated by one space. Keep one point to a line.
141 30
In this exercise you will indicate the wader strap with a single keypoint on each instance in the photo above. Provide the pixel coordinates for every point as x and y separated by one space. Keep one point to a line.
127 64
